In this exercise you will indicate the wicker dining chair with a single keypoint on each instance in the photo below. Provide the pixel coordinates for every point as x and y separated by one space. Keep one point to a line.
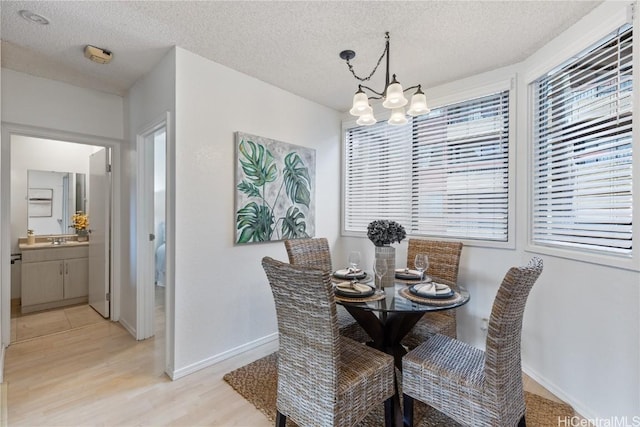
474 387
314 252
444 262
324 379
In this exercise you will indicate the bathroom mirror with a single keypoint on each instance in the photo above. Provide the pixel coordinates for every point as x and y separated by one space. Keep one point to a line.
52 198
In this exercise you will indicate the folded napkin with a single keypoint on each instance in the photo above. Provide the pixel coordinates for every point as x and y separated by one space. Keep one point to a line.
356 289
432 289
408 273
350 272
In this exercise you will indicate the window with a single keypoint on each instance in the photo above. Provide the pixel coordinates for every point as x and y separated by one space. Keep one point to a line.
443 175
582 195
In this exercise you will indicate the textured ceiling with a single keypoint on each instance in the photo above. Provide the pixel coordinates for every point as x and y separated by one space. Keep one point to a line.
292 45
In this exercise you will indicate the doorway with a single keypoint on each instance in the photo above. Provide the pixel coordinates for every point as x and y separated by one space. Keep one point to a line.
63 179
159 221
154 282
41 149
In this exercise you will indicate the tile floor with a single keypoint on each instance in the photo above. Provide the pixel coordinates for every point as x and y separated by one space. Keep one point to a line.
27 326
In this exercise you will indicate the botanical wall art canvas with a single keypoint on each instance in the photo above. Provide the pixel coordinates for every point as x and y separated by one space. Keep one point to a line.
275 190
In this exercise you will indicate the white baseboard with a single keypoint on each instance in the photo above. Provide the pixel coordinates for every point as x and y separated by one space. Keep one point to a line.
579 407
128 327
266 340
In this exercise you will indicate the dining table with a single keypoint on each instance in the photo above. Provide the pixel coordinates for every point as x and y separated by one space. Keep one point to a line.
390 313
387 318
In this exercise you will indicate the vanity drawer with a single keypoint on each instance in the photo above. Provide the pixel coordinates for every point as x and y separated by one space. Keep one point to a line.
56 253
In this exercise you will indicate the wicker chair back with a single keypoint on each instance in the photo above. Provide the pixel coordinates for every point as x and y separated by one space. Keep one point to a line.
312 252
503 371
444 257
308 329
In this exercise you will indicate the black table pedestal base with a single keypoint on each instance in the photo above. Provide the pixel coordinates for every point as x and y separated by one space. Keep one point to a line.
386 332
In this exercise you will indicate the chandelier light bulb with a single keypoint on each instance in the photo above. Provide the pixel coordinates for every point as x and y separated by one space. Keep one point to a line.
367 111
360 104
394 95
367 120
397 117
418 104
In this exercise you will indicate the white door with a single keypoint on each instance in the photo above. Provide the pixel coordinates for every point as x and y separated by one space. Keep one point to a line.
99 240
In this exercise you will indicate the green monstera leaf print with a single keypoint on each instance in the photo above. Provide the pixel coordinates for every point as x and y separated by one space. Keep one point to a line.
258 163
256 223
293 224
249 189
296 179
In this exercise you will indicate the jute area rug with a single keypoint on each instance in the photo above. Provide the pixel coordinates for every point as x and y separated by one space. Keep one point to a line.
257 382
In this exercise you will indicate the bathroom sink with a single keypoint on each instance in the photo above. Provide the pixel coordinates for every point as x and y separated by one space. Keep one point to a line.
48 242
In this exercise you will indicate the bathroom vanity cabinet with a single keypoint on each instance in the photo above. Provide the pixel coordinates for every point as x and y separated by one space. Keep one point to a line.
54 276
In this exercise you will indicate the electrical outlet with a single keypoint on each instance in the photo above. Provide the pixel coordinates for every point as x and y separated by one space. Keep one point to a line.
484 326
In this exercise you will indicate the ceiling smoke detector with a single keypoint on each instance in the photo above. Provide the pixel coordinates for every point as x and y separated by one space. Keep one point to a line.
33 17
97 54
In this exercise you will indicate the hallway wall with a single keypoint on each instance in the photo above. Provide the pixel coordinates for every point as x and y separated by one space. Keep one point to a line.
223 301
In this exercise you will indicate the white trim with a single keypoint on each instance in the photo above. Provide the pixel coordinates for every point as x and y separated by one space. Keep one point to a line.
144 256
485 86
9 129
577 405
270 340
636 166
3 352
601 21
5 240
145 312
128 327
474 92
170 239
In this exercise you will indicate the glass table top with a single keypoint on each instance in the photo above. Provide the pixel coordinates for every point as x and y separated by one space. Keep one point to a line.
393 301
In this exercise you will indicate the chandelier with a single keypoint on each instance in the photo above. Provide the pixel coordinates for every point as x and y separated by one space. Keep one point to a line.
393 94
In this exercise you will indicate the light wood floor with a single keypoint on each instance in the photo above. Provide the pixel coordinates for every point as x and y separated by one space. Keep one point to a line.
99 375
32 325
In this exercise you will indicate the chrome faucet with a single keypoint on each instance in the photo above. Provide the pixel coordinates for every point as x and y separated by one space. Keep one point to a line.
58 240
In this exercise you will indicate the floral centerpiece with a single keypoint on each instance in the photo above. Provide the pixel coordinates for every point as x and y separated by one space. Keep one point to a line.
383 232
80 221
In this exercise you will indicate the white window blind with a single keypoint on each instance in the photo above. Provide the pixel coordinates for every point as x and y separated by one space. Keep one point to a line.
582 195
442 175
461 170
377 175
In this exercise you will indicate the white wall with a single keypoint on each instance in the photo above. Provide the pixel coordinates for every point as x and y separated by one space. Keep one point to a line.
581 332
223 301
35 101
149 99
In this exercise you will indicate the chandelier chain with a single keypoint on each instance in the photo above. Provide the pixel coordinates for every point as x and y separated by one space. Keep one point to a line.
364 79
